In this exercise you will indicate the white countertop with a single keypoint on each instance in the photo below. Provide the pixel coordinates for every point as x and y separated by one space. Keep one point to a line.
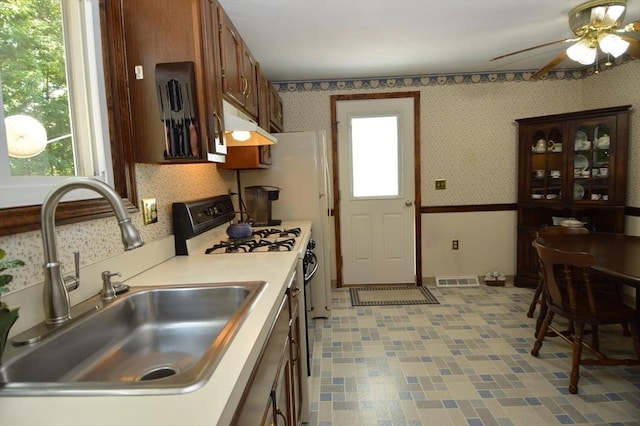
204 406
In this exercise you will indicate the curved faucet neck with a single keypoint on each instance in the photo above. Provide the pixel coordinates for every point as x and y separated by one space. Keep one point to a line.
56 297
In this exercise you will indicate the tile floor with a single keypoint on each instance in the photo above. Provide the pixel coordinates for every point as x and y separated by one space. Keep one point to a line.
465 361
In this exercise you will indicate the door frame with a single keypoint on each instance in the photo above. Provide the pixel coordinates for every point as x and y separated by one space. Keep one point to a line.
417 204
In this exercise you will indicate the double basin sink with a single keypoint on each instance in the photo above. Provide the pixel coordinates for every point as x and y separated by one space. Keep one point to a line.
150 340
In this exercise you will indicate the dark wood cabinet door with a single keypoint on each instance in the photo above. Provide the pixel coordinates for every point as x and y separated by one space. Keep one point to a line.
261 396
231 58
276 116
249 78
214 136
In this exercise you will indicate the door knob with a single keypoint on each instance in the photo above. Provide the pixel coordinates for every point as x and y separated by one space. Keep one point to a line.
408 203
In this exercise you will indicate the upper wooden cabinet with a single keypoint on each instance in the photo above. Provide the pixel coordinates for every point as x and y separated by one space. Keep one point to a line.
263 99
239 71
182 58
570 166
276 116
270 104
173 69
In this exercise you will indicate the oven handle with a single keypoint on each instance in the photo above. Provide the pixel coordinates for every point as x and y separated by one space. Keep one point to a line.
310 258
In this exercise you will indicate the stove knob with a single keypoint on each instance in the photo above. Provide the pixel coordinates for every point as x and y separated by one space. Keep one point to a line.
311 245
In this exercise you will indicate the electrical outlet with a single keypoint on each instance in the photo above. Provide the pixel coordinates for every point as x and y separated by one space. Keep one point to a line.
441 184
149 211
455 244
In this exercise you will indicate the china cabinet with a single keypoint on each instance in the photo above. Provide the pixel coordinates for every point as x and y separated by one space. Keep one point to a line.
571 165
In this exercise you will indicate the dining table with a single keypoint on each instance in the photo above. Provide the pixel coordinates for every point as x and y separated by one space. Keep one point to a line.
616 255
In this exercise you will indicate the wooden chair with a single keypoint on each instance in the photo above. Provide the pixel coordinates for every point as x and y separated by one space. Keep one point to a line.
580 305
548 231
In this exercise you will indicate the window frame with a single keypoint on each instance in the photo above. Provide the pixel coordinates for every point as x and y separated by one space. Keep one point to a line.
22 219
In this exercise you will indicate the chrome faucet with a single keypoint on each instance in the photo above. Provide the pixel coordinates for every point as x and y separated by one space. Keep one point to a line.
57 308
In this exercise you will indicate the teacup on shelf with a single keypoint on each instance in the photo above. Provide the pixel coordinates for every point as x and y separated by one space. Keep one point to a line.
582 145
603 142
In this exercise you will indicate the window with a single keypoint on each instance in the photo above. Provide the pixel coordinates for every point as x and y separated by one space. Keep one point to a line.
375 157
53 98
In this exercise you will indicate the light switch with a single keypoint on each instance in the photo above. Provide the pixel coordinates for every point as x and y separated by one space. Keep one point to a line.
441 184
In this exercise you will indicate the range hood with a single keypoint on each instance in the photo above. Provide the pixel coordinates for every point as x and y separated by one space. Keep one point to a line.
240 130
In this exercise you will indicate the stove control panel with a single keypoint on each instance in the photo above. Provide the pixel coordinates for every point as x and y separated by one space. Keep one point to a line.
195 217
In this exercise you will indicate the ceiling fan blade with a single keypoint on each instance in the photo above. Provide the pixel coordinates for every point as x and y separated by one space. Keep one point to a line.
634 47
565 40
561 57
632 26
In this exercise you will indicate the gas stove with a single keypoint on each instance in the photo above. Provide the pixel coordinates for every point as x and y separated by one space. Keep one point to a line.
262 240
200 225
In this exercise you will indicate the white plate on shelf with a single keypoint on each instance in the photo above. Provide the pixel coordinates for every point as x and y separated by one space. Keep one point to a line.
578 191
581 138
580 162
572 223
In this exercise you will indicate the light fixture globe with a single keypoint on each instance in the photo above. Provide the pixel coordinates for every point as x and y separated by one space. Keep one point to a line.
597 15
26 136
612 44
583 52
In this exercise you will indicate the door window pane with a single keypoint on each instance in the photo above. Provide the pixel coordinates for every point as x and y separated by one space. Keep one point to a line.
375 156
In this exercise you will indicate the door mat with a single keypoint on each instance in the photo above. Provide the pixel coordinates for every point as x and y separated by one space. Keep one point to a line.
390 296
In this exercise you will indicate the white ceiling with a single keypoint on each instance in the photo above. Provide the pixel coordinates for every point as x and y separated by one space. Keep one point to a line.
343 39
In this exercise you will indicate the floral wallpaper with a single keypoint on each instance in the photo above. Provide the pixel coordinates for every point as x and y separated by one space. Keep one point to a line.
468 137
100 239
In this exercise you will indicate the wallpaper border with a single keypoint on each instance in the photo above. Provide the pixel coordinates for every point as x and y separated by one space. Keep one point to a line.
436 80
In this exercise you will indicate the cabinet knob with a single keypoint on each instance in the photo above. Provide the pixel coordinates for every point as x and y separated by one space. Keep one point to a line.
295 292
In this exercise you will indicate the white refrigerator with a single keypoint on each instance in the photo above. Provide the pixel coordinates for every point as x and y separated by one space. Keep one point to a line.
300 169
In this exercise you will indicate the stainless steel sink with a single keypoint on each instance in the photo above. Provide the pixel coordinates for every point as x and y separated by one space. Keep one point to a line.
151 340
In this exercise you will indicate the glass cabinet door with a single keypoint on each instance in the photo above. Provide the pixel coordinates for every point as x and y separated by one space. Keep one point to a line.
546 165
592 144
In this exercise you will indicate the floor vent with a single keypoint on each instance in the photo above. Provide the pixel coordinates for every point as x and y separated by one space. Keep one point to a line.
469 281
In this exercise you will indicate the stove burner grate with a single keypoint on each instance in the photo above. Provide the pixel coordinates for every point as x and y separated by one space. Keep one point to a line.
264 233
283 245
248 245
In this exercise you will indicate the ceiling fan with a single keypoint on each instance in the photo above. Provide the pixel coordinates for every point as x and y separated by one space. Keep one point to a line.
596 24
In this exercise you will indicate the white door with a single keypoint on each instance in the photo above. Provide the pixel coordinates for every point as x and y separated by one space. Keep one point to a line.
375 151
